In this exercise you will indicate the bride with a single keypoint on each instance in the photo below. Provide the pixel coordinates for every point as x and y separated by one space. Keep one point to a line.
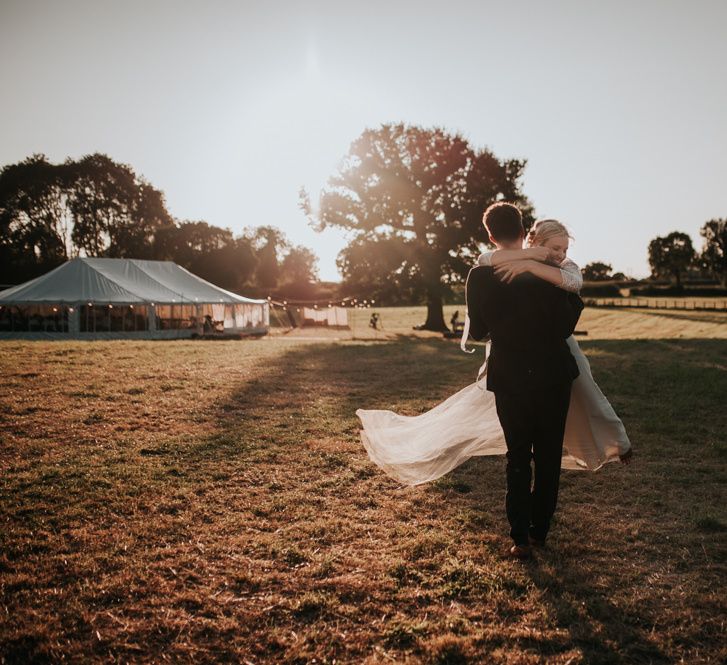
418 449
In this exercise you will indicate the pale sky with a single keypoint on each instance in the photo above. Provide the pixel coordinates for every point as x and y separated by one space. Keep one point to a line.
620 108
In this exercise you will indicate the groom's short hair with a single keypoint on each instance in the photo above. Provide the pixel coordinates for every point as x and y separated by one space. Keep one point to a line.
503 221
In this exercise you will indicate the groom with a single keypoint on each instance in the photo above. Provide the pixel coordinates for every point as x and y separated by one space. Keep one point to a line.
530 370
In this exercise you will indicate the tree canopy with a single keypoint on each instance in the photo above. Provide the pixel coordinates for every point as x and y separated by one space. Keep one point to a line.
384 268
115 212
270 244
597 271
94 206
300 264
671 255
34 231
414 198
714 254
209 251
50 213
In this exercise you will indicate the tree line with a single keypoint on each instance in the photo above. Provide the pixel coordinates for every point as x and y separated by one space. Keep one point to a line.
411 199
97 207
673 256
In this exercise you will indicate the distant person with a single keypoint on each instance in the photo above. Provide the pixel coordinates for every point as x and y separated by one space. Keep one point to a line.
457 325
208 326
540 400
374 321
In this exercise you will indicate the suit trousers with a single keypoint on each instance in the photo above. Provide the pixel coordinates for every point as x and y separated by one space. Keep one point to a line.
534 424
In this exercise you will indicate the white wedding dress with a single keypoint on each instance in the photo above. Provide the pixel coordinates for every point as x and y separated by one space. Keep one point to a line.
418 449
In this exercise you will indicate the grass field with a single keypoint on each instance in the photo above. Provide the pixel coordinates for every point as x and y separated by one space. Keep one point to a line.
597 323
195 501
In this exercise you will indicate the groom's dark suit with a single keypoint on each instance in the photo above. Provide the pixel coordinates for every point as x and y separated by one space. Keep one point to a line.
530 370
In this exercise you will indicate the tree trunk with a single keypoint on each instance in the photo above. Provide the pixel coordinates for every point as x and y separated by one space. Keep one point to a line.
431 265
435 314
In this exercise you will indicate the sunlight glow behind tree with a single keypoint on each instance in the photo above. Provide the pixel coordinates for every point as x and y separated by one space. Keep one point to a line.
421 193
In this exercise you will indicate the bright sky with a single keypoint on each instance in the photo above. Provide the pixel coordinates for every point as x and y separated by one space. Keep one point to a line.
620 108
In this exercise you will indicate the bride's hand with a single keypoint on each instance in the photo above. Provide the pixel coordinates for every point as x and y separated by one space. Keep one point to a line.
509 270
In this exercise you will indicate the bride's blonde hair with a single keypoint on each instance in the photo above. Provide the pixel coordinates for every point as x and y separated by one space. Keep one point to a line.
544 229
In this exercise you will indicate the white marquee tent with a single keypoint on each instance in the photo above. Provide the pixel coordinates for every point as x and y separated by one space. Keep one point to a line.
125 298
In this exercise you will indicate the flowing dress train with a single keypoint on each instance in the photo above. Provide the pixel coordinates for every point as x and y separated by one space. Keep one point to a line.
419 449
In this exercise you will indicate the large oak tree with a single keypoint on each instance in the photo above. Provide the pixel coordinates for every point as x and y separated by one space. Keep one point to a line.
414 198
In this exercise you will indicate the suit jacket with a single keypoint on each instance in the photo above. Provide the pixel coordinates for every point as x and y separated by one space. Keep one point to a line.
528 322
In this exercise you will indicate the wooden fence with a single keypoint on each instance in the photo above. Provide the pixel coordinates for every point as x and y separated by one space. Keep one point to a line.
690 304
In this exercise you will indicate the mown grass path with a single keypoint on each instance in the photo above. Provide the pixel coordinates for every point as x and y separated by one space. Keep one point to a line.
204 502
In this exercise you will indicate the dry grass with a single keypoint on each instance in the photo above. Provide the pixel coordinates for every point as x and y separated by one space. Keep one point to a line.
210 501
652 324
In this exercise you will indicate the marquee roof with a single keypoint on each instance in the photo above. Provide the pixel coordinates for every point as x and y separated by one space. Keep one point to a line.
122 281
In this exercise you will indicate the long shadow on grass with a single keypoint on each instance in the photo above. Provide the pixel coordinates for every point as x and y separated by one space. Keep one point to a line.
669 387
311 393
601 629
293 428
314 389
669 394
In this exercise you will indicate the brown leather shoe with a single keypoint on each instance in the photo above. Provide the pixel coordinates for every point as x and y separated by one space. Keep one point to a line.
519 552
